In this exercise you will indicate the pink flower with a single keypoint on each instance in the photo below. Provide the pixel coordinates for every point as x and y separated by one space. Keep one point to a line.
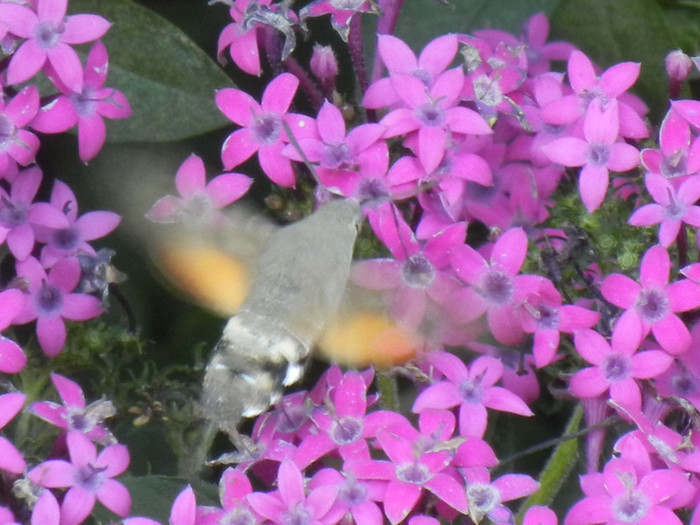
262 127
11 459
545 316
88 476
539 515
72 238
472 389
419 462
356 498
433 113
341 159
672 207
494 285
291 503
86 108
541 53
486 497
620 495
74 413
617 366
679 152
20 215
18 144
51 300
199 200
243 41
652 304
598 152
49 32
398 57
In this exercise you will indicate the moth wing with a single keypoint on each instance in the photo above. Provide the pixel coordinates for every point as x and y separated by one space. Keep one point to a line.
363 333
212 264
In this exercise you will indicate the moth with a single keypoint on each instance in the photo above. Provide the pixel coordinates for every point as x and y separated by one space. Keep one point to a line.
288 290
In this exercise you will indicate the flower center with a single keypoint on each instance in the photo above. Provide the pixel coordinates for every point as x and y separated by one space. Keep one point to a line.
471 391
372 192
337 156
413 473
65 239
346 431
482 499
496 287
299 515
352 492
90 477
47 34
616 367
85 103
598 154
49 300
417 272
431 114
630 508
239 516
652 305
12 214
266 128
684 384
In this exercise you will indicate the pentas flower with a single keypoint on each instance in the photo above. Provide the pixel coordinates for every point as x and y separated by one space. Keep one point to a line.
262 127
199 200
11 459
597 152
241 41
679 150
50 300
17 144
672 208
494 285
343 424
75 413
486 497
183 511
234 488
357 499
46 510
341 159
682 379
291 503
398 57
71 238
418 276
652 304
86 108
617 366
433 113
341 12
471 389
88 477
12 358
20 215
545 317
587 86
418 461
541 53
49 33
620 495
689 110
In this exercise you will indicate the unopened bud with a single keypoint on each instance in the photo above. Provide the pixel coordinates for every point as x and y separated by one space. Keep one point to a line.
678 65
323 63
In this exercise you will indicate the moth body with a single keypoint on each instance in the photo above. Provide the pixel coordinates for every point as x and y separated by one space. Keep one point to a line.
299 281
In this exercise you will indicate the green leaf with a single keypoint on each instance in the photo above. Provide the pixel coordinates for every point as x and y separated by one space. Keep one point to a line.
169 81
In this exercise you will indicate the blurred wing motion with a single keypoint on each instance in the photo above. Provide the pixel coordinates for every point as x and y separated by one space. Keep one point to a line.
289 290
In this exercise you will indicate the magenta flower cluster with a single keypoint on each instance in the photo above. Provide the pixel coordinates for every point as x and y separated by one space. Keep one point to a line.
49 245
476 129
